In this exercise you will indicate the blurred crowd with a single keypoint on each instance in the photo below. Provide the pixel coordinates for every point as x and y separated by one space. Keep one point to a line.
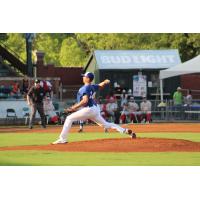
19 89
15 89
124 109
180 100
119 106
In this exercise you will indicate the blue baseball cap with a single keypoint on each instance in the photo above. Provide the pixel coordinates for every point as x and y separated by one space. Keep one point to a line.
90 75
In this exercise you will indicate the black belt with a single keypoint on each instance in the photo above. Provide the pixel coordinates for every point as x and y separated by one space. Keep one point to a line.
92 105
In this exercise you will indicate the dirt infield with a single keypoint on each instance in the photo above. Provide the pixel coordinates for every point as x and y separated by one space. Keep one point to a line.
138 128
118 145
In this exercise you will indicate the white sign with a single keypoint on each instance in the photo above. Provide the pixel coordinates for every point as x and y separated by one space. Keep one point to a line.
139 86
137 59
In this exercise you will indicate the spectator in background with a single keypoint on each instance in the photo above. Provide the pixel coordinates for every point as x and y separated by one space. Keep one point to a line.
109 96
130 92
117 88
130 110
111 108
188 99
178 102
47 86
102 107
133 110
25 85
178 97
116 85
188 103
124 98
15 90
49 110
145 108
124 113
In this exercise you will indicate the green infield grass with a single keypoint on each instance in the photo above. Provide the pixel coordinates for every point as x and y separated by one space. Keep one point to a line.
53 158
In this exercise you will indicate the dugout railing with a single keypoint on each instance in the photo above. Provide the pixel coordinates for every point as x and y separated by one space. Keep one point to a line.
160 112
168 112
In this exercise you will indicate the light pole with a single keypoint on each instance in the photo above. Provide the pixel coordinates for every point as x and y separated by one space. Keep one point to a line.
29 40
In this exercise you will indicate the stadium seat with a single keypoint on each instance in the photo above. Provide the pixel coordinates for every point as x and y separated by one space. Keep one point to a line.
47 119
56 105
26 114
11 114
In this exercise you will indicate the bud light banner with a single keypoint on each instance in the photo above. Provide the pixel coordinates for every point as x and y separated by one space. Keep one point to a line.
137 59
139 86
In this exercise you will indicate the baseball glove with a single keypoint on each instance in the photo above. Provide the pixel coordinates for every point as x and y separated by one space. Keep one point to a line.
69 110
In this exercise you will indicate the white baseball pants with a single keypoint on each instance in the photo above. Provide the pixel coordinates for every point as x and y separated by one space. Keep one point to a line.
92 113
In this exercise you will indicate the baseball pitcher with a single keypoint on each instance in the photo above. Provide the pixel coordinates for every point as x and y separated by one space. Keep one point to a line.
86 108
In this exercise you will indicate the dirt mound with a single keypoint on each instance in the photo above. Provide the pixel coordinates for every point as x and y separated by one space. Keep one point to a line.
119 145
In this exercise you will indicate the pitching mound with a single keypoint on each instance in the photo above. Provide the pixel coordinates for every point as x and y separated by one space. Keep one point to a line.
119 145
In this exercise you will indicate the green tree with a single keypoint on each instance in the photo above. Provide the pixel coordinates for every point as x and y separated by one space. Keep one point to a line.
73 49
16 42
50 45
71 53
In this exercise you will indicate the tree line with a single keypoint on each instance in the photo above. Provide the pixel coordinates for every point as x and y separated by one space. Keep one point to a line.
73 49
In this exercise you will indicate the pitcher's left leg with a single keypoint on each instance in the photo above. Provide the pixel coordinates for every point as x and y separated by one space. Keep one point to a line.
82 114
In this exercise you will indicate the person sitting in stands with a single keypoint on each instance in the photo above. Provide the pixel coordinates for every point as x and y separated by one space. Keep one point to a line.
117 88
188 99
130 110
49 110
109 96
133 110
124 114
111 108
124 98
25 85
102 107
15 90
145 108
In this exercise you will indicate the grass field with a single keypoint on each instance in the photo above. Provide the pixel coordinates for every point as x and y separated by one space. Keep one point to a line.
53 158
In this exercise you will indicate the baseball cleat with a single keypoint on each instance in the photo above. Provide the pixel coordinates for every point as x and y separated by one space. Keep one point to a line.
80 130
133 136
131 133
59 141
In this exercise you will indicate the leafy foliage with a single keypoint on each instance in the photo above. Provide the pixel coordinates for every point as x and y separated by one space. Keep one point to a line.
73 49
17 44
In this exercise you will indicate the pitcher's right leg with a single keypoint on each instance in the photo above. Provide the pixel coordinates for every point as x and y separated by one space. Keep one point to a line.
102 122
